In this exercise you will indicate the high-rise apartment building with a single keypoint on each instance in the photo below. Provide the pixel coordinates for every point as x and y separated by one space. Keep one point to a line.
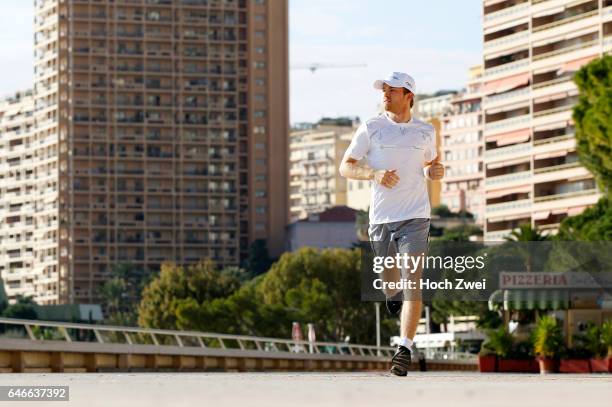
314 181
463 150
160 134
22 203
531 50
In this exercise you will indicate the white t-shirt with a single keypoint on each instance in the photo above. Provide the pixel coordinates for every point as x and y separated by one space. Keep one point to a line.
404 147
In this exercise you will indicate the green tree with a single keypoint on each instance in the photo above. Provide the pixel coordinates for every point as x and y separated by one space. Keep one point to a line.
593 118
181 288
121 293
259 260
594 224
526 233
324 287
23 308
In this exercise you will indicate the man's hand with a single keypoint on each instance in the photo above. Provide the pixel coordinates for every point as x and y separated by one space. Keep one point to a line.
435 171
386 178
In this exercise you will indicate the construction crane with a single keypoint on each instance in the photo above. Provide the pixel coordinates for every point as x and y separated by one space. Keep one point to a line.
314 67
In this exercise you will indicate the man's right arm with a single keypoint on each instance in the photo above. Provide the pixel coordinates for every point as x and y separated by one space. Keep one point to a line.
350 168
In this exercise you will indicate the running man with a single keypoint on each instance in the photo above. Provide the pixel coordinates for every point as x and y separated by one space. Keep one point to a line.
401 154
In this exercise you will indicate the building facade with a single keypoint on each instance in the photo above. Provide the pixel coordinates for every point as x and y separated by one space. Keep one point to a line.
531 51
463 150
314 181
161 128
430 107
22 213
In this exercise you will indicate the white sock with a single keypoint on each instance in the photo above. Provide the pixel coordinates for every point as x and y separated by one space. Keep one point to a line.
404 341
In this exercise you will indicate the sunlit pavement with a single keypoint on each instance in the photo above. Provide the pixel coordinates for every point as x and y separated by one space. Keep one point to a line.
321 389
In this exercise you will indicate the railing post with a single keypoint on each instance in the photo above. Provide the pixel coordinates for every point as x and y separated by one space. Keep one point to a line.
98 336
65 332
28 329
178 340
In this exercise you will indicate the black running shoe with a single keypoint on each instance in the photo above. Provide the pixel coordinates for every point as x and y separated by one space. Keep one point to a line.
394 304
400 362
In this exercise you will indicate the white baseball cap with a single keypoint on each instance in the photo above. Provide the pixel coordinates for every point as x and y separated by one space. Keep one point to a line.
397 80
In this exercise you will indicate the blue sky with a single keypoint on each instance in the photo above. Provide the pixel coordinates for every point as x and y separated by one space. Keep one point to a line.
435 41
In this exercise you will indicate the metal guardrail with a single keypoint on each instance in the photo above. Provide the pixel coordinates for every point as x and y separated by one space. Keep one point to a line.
42 331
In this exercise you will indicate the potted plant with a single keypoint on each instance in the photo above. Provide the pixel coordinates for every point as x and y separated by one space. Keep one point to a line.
520 359
606 341
487 360
591 341
547 343
586 346
575 360
497 346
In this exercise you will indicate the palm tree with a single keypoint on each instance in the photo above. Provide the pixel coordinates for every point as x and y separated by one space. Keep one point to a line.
526 233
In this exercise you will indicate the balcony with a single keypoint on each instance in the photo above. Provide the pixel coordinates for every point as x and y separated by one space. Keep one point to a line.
507 40
507 12
523 204
510 150
558 167
514 121
507 95
564 50
506 68
565 195
566 16
508 178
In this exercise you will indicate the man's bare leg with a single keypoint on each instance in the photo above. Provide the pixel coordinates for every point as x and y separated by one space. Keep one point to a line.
412 306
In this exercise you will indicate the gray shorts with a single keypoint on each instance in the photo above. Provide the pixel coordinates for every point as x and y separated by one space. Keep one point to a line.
406 236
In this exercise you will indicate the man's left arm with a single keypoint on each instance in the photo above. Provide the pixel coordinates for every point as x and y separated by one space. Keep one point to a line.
433 169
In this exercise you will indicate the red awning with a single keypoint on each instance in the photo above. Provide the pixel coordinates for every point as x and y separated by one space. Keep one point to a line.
510 137
576 210
573 66
540 215
505 84
548 98
499 164
508 191
553 154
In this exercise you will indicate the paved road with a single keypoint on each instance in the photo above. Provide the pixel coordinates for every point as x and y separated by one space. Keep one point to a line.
321 389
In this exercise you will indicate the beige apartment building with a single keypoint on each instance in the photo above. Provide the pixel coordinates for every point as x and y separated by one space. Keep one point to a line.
314 181
159 135
22 212
531 50
463 150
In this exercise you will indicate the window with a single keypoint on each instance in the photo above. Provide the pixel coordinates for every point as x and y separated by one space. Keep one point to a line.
260 50
259 129
261 210
260 81
260 193
260 113
260 146
259 64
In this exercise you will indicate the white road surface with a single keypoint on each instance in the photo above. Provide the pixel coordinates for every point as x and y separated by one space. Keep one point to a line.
320 389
